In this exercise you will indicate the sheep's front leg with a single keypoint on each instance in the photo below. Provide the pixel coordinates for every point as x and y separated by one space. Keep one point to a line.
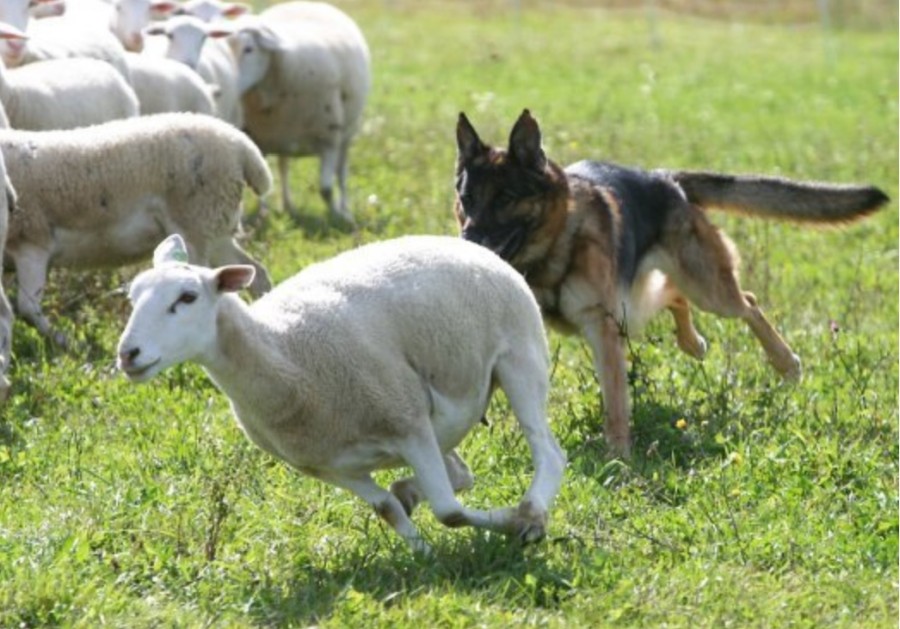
31 276
386 505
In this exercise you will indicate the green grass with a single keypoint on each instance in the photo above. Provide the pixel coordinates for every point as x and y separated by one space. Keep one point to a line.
770 505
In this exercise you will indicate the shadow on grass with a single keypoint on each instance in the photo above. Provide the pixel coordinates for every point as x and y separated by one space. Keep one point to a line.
660 435
316 223
474 562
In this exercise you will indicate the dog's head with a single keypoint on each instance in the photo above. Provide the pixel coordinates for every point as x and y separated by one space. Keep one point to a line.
513 201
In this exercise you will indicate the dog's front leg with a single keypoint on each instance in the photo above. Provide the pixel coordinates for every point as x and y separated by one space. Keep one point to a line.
604 336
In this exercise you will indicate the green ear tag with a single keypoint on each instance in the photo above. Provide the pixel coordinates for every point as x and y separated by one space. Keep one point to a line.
179 256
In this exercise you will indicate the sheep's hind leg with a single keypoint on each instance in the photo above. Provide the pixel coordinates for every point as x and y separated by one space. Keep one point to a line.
284 172
410 494
386 505
31 276
329 162
527 521
523 377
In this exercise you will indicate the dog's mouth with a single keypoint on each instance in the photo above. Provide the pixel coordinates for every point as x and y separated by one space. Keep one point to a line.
140 373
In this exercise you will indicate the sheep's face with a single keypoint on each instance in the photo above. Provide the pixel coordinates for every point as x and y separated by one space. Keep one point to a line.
130 17
13 21
175 306
172 320
186 37
252 56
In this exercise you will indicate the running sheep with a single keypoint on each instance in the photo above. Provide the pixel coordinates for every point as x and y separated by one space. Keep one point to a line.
102 196
384 356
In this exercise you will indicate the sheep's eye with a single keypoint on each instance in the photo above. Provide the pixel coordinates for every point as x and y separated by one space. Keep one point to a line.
185 298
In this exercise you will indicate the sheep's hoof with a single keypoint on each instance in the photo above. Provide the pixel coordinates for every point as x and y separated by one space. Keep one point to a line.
59 340
342 220
529 523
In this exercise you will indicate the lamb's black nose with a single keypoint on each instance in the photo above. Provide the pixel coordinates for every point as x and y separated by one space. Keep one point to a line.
126 357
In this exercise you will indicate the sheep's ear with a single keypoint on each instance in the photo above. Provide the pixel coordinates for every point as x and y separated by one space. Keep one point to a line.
8 31
171 250
468 145
267 38
234 9
160 9
525 142
219 30
231 279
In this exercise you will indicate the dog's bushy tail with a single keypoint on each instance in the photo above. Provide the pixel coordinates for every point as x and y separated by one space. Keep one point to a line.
775 197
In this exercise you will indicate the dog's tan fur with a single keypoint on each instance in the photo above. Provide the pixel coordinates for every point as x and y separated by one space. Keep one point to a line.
601 264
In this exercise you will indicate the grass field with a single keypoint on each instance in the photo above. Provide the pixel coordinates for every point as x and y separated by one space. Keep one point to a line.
749 502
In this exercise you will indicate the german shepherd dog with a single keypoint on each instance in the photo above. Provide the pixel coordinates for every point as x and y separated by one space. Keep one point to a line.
605 247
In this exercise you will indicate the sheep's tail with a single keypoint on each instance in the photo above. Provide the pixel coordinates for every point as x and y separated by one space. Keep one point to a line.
256 170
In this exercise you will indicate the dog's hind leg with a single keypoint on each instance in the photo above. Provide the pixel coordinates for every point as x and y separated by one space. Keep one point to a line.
689 340
703 264
651 291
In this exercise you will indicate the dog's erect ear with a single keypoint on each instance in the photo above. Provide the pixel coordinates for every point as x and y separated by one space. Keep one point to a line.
525 142
468 144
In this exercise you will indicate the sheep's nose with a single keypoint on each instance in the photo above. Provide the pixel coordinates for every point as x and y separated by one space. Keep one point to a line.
13 52
135 42
127 356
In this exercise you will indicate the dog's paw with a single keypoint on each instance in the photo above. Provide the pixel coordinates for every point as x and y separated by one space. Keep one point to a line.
694 346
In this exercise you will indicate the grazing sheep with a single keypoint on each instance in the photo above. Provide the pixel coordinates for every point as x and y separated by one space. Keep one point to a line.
62 93
304 73
7 205
103 195
211 60
163 85
384 356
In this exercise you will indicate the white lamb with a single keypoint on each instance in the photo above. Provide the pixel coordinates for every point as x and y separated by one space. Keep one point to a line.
163 85
62 93
383 356
103 195
304 72
212 60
